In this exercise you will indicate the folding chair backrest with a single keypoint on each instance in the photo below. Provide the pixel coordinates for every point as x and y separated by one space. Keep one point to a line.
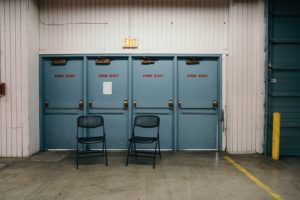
146 121
90 121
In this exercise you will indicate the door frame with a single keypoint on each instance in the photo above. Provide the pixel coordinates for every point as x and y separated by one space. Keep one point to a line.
221 136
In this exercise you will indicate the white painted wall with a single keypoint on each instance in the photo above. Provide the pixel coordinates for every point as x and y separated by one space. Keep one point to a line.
245 77
33 76
234 28
16 48
89 26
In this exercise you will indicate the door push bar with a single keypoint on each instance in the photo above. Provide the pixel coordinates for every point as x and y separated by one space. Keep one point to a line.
215 104
170 105
46 105
125 105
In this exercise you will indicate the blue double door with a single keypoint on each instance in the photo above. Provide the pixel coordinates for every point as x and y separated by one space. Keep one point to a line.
182 91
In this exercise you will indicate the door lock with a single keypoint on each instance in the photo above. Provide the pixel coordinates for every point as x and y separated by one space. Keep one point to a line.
215 104
125 104
90 104
170 104
134 104
81 104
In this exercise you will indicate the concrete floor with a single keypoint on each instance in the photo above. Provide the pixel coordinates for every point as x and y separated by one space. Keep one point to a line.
179 175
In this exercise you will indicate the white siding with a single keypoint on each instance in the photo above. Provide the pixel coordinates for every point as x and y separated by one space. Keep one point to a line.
245 77
14 132
233 28
33 77
160 25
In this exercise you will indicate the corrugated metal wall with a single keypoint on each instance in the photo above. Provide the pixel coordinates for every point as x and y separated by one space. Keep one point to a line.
33 76
160 25
284 73
234 28
245 77
14 106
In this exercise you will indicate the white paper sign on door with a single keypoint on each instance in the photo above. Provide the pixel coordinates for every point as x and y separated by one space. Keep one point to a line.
107 88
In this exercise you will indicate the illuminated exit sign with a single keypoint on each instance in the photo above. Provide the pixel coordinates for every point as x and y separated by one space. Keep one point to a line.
130 43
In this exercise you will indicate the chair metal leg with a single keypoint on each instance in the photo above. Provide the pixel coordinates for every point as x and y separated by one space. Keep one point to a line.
105 153
77 156
154 156
134 145
159 148
128 153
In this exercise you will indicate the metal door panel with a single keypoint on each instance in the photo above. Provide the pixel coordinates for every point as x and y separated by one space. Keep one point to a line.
283 94
152 89
284 81
115 72
153 83
63 91
289 140
197 90
286 55
198 131
110 106
60 131
197 84
282 28
63 84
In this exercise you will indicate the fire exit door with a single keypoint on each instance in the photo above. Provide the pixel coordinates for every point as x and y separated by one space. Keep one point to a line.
183 91
62 101
198 103
107 95
153 93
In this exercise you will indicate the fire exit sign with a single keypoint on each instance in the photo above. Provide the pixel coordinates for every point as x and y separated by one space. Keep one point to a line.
130 43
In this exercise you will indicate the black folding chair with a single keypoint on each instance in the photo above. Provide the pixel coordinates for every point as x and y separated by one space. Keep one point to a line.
91 122
147 122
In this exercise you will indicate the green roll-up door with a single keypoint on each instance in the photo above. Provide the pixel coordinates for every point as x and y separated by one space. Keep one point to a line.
284 73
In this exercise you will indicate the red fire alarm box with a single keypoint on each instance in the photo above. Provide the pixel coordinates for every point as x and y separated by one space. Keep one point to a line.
2 89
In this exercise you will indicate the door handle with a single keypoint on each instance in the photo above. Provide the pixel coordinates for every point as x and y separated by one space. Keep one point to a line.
46 104
179 104
90 104
170 104
125 104
215 104
81 104
134 104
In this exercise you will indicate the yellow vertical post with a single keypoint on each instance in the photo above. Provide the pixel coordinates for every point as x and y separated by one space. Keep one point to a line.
276 136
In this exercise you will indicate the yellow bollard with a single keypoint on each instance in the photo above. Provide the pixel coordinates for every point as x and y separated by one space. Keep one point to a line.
276 136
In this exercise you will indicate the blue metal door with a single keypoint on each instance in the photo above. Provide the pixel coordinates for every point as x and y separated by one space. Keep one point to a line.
107 94
198 103
62 101
153 93
283 94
